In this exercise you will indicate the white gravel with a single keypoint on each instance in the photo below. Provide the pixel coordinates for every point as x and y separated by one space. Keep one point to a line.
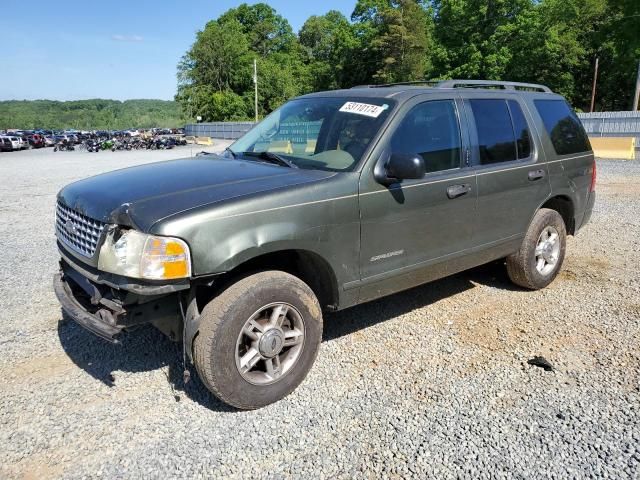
433 382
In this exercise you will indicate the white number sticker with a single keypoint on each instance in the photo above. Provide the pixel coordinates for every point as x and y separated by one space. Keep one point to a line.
365 109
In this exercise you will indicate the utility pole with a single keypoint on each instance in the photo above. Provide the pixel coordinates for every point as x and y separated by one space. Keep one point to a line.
595 83
636 97
255 84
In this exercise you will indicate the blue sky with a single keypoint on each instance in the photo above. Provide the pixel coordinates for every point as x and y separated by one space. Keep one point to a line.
70 50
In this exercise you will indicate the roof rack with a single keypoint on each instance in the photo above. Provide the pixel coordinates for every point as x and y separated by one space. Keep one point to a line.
492 84
468 84
431 83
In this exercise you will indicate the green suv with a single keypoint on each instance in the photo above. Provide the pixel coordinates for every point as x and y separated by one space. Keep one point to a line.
335 199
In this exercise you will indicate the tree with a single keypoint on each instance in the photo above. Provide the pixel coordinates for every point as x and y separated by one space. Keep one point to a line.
475 36
402 42
89 114
396 39
219 57
266 31
215 75
328 42
619 55
556 44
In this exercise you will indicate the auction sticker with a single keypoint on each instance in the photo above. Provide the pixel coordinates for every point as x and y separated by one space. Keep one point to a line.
365 109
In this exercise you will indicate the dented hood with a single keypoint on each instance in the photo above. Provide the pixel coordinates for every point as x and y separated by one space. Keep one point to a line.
140 196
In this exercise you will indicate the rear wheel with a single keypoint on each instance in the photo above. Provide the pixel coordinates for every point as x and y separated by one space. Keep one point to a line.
258 339
539 259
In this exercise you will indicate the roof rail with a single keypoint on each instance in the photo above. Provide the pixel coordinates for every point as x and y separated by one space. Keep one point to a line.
466 84
431 83
492 83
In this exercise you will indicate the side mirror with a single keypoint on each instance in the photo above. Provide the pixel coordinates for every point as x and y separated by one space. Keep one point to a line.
404 166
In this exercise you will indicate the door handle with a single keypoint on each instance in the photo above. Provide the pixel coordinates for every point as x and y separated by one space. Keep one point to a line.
536 175
455 191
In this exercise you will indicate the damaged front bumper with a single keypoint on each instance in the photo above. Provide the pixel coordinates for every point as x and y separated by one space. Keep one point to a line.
101 322
106 306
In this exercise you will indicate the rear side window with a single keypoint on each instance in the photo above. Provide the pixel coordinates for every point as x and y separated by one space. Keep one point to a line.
563 126
503 133
521 130
431 130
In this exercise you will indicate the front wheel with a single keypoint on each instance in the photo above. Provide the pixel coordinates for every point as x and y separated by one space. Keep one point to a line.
541 254
258 339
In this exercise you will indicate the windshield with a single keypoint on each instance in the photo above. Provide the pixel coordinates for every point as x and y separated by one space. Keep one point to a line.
318 133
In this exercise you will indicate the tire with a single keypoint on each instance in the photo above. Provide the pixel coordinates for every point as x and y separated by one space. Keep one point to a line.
523 266
221 341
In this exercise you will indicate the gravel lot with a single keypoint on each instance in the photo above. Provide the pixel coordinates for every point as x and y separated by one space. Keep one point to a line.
433 382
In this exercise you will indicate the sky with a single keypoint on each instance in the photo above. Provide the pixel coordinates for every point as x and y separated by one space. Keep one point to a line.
73 50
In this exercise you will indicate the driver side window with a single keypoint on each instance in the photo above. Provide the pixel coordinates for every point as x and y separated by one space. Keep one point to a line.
431 130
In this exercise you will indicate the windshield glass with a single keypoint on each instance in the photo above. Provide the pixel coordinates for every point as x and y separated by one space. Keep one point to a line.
318 133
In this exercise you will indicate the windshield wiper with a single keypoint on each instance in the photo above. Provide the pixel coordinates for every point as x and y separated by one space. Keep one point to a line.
271 158
231 152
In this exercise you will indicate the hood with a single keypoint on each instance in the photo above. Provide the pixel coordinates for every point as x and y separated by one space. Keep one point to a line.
140 196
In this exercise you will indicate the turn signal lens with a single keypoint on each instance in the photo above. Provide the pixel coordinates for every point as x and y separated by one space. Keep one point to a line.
165 258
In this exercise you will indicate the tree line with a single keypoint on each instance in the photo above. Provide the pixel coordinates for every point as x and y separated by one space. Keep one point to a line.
90 114
554 42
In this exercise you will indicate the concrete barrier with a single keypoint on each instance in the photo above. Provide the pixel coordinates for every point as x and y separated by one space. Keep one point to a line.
614 147
204 141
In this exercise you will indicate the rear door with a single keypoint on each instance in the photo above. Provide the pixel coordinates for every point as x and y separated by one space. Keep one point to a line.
510 165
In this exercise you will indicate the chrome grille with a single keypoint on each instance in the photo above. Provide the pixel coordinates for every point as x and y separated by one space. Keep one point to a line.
78 231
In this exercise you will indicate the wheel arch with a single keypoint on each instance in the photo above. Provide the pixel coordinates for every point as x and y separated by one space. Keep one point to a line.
565 207
308 266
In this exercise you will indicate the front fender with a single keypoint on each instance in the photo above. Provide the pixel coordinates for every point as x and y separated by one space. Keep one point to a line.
221 240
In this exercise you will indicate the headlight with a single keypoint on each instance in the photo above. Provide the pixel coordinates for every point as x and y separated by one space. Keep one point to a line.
138 255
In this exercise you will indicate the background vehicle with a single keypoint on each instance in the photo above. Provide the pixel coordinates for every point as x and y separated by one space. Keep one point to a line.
63 145
5 144
36 141
16 142
335 199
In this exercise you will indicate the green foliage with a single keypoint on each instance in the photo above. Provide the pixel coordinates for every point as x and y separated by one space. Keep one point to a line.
401 42
215 77
90 114
329 43
554 42
266 31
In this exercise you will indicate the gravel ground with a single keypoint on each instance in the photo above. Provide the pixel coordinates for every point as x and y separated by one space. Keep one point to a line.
433 382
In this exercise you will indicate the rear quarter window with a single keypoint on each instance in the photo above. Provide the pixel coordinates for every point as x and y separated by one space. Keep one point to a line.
563 126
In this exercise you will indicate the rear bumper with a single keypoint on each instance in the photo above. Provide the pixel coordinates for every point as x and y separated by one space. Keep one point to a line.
581 222
101 323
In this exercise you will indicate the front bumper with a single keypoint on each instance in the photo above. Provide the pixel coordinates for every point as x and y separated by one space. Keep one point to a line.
101 322
106 310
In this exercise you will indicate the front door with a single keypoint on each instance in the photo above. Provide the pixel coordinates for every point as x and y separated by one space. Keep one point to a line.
411 230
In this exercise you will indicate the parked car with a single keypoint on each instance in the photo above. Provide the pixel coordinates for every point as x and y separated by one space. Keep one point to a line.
16 142
36 141
335 199
6 145
23 140
66 137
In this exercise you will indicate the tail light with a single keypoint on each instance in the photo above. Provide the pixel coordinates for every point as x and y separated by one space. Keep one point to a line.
592 188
